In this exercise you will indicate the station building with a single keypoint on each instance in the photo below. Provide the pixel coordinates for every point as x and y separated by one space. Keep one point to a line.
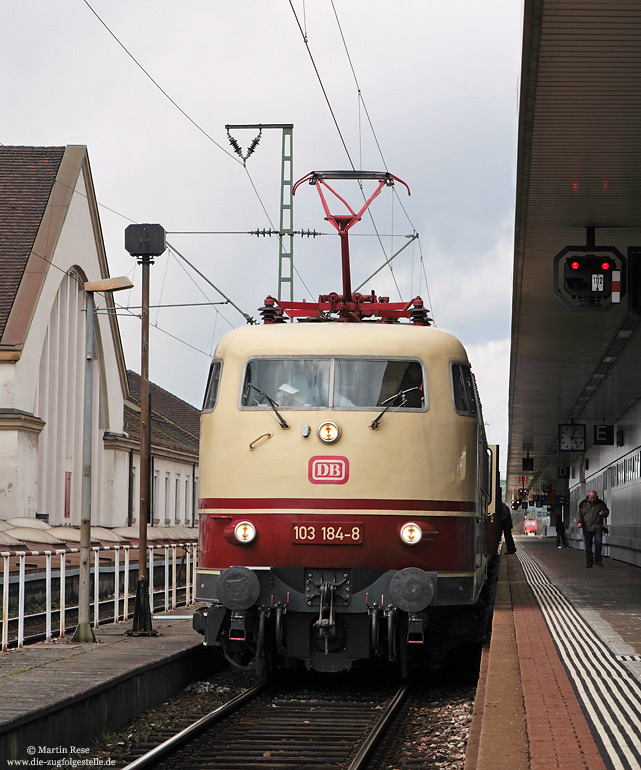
50 245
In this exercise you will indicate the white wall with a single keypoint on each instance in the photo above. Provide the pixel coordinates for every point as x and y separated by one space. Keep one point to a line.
165 511
48 382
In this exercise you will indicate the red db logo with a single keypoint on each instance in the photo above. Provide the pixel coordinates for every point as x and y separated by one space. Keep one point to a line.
328 470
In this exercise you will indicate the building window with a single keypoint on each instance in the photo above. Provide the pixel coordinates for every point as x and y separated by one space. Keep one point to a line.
195 498
187 500
167 499
67 495
154 498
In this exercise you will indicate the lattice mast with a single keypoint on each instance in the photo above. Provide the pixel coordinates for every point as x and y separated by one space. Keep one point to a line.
286 219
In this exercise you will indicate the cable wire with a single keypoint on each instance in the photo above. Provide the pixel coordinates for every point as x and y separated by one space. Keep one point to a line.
340 133
126 310
178 107
158 86
371 125
191 278
322 85
358 87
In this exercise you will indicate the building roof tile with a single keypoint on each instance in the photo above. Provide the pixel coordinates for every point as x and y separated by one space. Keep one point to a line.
27 175
169 406
175 424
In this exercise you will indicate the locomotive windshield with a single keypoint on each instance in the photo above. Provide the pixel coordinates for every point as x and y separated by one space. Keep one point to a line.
335 383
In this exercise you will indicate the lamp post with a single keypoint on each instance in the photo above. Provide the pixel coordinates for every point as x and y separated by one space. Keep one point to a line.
144 242
84 631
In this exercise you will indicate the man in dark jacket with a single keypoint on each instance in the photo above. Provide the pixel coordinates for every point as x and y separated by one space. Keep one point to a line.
561 537
505 521
591 517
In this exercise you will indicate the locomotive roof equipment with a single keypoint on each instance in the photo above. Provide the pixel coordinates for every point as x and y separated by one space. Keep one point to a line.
350 306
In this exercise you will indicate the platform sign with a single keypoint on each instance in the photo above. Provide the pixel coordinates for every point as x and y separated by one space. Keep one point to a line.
604 435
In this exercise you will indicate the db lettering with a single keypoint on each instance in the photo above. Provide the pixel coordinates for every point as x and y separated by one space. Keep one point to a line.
322 470
328 470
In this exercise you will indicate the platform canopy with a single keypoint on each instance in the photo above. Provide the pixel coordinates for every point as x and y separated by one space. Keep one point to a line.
578 176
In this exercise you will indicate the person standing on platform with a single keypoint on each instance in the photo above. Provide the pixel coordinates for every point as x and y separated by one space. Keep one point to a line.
590 517
561 537
505 520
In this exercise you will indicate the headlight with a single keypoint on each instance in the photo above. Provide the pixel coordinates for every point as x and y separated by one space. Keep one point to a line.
411 533
244 532
329 432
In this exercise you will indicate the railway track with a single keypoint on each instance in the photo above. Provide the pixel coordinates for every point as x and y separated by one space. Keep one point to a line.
271 727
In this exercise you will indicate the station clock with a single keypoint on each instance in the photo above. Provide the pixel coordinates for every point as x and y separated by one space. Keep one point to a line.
571 438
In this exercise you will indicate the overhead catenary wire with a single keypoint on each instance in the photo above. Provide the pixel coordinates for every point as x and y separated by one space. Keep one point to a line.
358 87
427 286
219 314
210 138
335 119
322 85
228 301
129 219
177 106
387 262
361 101
205 133
247 317
302 233
126 311
157 84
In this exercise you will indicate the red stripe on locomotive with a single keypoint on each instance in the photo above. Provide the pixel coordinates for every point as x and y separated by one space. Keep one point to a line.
447 544
312 503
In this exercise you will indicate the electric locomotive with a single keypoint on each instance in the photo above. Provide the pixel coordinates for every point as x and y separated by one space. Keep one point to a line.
346 485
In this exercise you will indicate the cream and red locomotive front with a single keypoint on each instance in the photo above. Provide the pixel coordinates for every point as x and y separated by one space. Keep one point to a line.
345 491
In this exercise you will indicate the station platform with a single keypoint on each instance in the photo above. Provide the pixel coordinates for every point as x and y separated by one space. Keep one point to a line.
59 696
560 683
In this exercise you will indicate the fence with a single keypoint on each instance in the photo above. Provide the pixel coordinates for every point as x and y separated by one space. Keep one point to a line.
112 581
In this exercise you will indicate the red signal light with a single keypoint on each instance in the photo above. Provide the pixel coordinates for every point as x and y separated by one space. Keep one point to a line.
605 265
575 265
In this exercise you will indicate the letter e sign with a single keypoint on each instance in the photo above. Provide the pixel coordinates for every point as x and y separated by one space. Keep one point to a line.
604 435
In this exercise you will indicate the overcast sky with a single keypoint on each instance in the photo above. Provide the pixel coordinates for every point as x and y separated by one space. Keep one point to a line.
438 107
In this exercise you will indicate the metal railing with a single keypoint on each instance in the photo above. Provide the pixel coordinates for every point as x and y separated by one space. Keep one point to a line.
163 559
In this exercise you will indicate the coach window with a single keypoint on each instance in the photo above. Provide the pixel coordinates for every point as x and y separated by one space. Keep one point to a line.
213 382
463 389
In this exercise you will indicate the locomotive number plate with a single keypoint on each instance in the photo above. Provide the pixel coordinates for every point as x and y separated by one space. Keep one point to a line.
327 533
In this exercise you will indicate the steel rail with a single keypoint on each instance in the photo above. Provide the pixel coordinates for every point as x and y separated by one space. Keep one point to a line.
380 729
214 716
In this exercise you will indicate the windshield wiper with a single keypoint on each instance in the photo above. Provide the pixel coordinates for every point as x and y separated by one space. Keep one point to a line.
402 394
272 403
